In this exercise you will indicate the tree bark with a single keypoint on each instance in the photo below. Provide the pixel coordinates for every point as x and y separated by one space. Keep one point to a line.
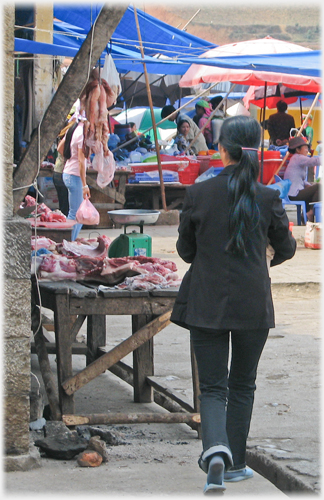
67 93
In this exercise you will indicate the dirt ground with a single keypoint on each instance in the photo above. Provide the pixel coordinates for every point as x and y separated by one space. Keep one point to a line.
161 459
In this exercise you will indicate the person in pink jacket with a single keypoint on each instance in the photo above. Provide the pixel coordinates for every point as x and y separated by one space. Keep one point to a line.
207 110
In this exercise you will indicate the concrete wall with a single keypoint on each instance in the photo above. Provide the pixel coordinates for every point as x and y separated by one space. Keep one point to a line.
16 287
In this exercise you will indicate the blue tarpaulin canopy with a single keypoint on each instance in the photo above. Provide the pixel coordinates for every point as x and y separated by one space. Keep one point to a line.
294 63
157 37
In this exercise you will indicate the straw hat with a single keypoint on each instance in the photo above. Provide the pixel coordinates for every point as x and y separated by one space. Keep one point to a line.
296 142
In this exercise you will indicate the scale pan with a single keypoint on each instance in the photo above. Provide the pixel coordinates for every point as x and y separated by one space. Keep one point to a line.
134 216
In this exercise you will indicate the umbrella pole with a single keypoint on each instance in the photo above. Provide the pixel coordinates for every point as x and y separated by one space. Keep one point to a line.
301 110
149 96
262 131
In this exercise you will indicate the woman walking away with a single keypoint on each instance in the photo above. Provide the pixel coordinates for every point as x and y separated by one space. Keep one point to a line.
225 296
74 173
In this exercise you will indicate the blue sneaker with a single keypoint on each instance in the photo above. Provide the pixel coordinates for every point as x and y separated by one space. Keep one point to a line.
232 476
215 476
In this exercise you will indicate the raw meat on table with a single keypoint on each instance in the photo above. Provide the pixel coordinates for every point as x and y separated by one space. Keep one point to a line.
95 247
42 242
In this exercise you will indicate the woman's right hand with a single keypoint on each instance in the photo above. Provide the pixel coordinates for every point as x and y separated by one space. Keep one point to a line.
86 192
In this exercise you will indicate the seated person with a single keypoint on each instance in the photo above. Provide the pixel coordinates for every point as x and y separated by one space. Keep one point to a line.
296 171
181 140
175 116
279 125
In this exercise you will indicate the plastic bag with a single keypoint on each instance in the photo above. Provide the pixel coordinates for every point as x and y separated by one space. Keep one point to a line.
282 186
105 166
87 213
111 75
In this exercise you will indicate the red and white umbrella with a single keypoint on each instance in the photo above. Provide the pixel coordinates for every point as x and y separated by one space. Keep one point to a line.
198 74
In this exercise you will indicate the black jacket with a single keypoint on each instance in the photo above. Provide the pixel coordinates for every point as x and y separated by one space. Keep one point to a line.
221 290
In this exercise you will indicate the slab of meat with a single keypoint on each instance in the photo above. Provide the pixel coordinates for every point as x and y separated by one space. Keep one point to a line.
42 242
115 270
142 259
29 201
95 247
55 216
57 267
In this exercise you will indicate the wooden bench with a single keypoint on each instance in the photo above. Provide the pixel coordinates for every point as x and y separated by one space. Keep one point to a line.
73 303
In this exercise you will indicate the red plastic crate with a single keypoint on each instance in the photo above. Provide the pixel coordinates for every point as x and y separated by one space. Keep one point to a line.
189 174
166 165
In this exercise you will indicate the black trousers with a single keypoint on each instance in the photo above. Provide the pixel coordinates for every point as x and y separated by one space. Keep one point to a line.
310 194
62 193
227 395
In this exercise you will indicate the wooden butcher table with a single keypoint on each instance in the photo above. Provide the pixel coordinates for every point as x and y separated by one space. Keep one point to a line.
72 303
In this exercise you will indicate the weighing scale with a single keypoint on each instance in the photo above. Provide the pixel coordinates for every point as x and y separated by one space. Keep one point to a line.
132 244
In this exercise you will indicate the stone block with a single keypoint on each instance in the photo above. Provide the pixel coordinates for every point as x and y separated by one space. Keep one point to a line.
16 308
25 462
17 367
8 19
168 218
16 424
16 257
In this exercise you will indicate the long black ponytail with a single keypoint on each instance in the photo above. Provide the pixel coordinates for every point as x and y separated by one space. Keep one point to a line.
240 136
67 143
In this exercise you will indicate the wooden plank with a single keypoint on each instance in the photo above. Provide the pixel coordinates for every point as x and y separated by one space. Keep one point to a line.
167 391
78 348
122 183
55 286
49 327
167 292
131 418
143 362
112 293
175 203
123 371
112 193
76 326
72 384
96 335
81 291
122 305
108 206
63 99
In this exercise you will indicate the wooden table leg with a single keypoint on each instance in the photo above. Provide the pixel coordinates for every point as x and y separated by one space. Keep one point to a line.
44 364
63 341
155 199
143 362
96 335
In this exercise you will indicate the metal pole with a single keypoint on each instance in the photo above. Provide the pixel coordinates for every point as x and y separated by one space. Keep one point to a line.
262 131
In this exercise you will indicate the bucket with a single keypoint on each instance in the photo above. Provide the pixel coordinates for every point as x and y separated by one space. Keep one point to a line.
270 167
122 130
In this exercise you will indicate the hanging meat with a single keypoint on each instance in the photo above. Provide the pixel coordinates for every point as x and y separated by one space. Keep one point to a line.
95 100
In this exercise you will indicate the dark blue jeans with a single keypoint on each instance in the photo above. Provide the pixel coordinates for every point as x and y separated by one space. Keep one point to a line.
227 395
